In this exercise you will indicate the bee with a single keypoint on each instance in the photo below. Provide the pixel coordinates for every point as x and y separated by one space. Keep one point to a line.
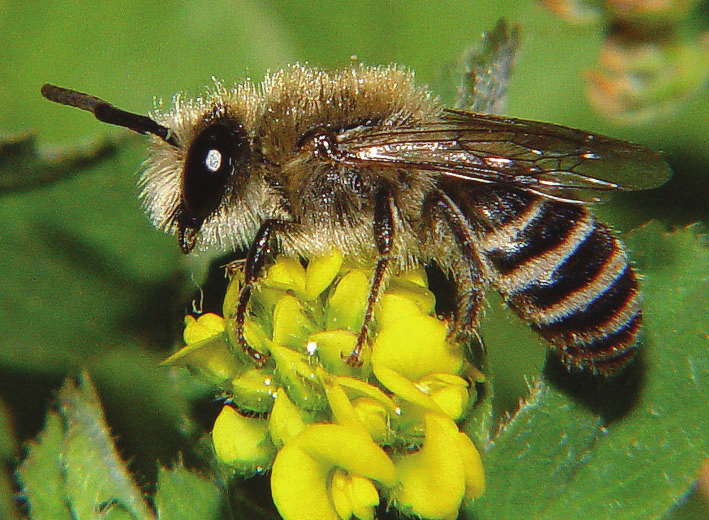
365 161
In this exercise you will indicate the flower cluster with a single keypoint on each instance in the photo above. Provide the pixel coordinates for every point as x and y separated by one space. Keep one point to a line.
336 437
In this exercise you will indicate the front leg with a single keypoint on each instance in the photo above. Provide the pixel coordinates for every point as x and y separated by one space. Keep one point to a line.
255 260
384 238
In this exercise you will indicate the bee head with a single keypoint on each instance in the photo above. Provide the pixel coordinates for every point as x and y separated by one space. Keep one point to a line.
197 182
208 167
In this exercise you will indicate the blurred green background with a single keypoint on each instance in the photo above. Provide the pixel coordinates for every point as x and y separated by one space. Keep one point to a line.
86 282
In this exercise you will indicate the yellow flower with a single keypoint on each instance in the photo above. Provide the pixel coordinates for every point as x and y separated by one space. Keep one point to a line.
348 302
286 420
332 346
415 346
320 273
436 479
207 353
298 377
404 297
242 442
205 327
286 274
353 495
413 360
373 409
374 418
329 460
448 391
291 325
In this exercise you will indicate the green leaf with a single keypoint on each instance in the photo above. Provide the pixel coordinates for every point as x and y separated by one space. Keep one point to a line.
40 474
624 448
535 454
95 476
74 470
480 425
183 494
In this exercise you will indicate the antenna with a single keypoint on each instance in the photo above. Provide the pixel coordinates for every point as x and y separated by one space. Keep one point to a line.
106 112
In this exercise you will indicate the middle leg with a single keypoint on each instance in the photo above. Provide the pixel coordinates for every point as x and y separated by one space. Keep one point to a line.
384 238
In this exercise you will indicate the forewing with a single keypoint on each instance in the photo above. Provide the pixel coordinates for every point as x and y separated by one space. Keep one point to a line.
552 160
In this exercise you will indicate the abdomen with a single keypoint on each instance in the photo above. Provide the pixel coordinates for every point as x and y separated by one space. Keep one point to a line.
564 273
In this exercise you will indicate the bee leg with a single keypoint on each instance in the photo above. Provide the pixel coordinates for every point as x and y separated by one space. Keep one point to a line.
255 260
384 237
468 269
470 297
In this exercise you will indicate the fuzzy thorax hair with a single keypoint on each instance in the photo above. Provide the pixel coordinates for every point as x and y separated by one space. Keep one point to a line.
275 115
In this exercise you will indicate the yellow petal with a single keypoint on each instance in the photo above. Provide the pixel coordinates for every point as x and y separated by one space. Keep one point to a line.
415 292
286 274
206 326
473 466
299 479
332 346
448 391
353 495
242 442
210 359
299 486
363 497
349 449
299 378
291 327
372 414
340 405
255 337
340 493
393 307
233 291
358 388
348 302
416 276
432 479
416 346
286 420
254 334
364 413
405 389
263 300
321 272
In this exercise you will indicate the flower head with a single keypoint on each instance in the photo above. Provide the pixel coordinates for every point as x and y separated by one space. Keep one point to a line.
335 437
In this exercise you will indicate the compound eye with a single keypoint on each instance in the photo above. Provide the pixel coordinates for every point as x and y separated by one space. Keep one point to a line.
210 164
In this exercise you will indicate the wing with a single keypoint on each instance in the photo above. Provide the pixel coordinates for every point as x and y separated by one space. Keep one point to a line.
547 159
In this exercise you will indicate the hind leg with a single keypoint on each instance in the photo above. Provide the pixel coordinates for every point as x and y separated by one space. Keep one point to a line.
457 241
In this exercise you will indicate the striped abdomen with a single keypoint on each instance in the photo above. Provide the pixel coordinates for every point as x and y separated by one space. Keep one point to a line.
567 275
